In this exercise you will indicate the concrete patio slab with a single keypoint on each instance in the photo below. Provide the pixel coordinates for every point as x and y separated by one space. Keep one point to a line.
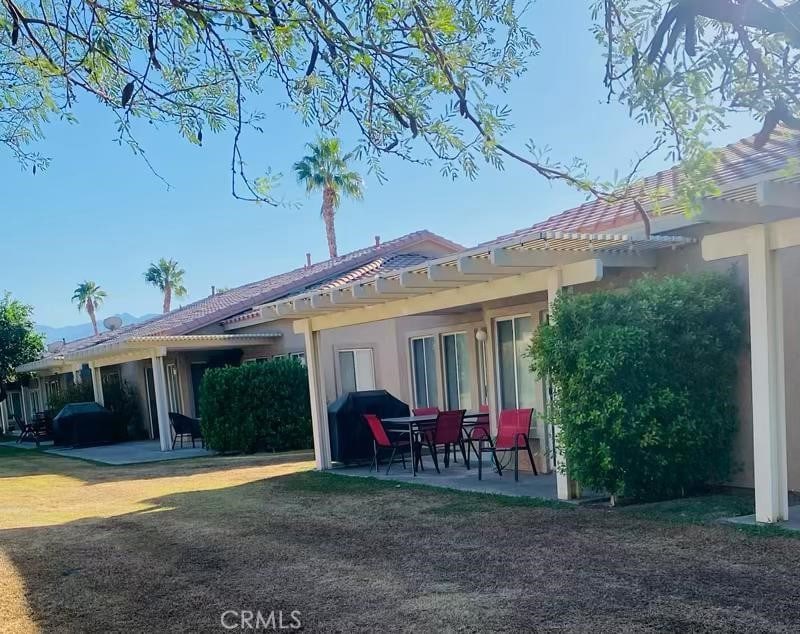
130 453
459 478
793 523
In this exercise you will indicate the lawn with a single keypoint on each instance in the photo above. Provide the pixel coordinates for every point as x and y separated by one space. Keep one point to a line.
171 546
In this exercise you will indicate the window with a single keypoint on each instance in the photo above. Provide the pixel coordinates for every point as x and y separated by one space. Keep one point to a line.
15 406
456 371
173 389
356 370
34 400
52 388
517 384
423 371
110 378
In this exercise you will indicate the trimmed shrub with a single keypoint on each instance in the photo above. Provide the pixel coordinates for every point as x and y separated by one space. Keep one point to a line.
256 406
122 400
645 381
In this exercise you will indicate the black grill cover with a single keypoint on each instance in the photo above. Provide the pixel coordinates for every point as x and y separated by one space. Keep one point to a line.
80 424
351 439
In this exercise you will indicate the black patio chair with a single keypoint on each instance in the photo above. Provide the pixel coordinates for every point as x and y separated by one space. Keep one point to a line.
37 430
185 426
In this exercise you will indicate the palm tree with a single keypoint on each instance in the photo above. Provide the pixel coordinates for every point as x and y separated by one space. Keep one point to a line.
326 169
167 277
89 297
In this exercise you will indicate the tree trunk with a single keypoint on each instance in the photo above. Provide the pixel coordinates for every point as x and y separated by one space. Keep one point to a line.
167 297
90 310
328 217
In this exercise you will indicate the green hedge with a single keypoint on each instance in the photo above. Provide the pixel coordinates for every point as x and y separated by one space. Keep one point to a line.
645 381
256 406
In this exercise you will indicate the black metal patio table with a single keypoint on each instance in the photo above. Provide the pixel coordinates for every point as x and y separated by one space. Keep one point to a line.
418 424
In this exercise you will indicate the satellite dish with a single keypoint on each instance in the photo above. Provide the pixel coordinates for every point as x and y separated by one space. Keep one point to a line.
112 323
55 346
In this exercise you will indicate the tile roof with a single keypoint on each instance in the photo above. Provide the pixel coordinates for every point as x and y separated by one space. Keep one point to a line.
738 161
380 265
220 306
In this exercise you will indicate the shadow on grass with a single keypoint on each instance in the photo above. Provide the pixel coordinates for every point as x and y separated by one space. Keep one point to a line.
355 554
16 463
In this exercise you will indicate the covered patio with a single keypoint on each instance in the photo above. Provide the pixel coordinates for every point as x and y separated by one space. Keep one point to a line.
458 478
494 296
164 370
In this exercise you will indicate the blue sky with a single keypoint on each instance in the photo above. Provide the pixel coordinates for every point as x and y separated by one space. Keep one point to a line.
99 213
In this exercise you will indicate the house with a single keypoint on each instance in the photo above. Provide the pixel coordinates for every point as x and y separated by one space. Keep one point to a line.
437 324
164 358
452 331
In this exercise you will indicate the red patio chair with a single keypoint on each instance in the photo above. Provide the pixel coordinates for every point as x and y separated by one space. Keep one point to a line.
432 411
513 433
481 430
447 432
382 440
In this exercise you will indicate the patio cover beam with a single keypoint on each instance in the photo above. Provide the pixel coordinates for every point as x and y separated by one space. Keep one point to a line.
531 259
417 280
532 282
386 286
442 273
745 213
778 194
381 290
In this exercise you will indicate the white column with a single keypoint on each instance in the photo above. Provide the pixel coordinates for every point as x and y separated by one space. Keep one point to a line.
4 414
491 372
768 379
319 406
160 389
567 488
97 386
23 399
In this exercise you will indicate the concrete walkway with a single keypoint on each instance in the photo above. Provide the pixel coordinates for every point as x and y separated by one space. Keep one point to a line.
793 523
130 452
459 478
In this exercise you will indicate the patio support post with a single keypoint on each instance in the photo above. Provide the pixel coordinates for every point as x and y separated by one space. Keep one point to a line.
316 390
4 415
97 385
23 400
160 389
768 379
567 487
491 382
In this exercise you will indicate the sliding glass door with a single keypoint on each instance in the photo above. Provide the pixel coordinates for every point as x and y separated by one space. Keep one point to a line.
517 385
423 370
456 371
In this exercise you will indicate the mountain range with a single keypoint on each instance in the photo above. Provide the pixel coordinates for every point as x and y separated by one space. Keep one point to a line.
70 333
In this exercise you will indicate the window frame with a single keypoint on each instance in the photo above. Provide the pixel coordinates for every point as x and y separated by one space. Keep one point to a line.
470 370
496 341
171 371
353 351
436 368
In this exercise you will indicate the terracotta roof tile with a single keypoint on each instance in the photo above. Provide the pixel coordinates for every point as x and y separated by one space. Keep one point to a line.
216 308
737 161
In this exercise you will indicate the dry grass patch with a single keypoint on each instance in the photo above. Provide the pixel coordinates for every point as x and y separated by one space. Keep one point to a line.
168 547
